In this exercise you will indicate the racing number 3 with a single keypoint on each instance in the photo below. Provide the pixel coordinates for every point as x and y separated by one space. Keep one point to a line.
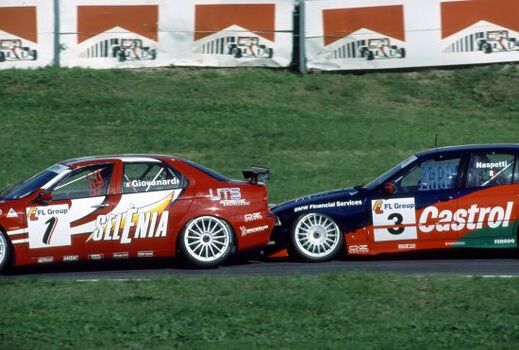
397 220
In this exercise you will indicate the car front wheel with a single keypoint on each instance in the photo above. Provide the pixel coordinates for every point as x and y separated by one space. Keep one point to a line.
316 237
206 241
5 253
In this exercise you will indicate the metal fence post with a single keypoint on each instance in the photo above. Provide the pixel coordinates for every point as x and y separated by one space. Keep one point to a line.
56 32
302 50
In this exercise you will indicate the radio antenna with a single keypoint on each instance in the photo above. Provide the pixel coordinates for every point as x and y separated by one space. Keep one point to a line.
436 140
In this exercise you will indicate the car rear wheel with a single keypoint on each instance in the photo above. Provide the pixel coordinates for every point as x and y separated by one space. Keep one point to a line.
206 241
316 237
5 253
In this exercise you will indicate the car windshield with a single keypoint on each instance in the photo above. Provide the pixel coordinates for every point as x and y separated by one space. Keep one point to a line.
25 188
207 171
385 176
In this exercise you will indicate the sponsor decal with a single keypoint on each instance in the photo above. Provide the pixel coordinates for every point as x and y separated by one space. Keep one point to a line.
358 249
12 213
120 255
253 217
95 257
377 207
145 254
472 218
454 244
504 241
395 219
407 246
336 204
45 259
71 258
48 226
130 225
151 183
228 197
247 231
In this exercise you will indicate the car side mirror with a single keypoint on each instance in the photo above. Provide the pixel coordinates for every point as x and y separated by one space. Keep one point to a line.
389 188
45 197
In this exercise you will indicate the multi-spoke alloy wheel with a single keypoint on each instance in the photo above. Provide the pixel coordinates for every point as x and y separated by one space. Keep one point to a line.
206 241
316 237
4 252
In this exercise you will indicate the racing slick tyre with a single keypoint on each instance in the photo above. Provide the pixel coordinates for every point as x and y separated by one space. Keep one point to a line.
315 237
206 241
122 56
488 48
34 55
370 56
5 253
270 52
2 57
401 52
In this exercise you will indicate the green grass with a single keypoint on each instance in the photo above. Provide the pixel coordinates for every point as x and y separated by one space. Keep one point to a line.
314 312
315 132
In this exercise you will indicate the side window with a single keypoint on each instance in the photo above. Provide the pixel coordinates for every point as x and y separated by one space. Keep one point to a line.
431 175
489 169
92 181
149 177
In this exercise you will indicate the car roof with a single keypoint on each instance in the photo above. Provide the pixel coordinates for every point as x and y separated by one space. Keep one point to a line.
133 158
513 147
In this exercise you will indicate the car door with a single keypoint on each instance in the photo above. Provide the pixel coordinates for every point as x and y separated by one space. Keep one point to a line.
57 225
418 206
143 218
490 199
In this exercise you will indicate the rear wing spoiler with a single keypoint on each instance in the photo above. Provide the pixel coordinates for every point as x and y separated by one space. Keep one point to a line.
257 174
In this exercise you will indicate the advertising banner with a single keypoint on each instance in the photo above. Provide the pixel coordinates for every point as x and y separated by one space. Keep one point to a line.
151 33
378 34
26 33
109 34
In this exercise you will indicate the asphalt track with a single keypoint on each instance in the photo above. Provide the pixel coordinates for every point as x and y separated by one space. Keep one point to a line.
472 263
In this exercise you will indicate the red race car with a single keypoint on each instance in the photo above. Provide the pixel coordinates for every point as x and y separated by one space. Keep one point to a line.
116 207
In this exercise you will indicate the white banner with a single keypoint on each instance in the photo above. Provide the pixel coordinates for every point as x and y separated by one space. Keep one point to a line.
26 33
378 34
151 33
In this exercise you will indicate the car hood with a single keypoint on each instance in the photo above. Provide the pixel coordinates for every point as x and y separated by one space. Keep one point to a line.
316 197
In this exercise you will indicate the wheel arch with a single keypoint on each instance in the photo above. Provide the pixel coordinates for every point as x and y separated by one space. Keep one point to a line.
12 253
